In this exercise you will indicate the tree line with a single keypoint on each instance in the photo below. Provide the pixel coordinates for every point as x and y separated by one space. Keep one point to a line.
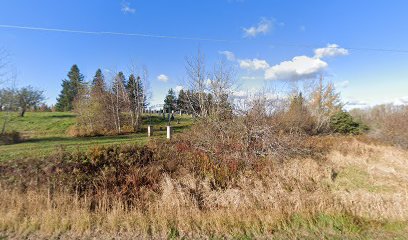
104 107
208 94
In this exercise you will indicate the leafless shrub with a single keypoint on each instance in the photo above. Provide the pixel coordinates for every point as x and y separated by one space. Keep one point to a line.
387 123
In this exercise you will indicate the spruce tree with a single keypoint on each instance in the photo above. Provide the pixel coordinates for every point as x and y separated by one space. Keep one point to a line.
170 101
136 92
98 85
119 84
182 101
99 79
137 99
70 89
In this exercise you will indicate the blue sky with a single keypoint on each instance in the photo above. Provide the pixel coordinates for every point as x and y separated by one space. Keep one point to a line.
267 40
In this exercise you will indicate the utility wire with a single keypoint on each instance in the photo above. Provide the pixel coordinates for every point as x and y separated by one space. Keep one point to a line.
186 38
109 33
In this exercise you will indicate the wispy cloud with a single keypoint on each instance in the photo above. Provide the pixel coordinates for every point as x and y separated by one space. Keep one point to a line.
263 27
126 8
248 78
343 84
229 55
162 78
354 103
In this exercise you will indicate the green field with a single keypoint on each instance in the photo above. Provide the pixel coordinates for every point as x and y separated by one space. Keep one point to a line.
46 132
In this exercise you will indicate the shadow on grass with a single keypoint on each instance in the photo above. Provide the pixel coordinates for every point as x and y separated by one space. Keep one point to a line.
60 116
79 139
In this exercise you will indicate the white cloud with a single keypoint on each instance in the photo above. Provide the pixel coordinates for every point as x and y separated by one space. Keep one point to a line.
229 55
332 50
126 8
178 88
263 27
299 68
248 64
162 78
343 84
254 64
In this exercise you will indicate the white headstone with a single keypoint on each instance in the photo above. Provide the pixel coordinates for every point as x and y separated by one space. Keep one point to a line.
168 132
149 131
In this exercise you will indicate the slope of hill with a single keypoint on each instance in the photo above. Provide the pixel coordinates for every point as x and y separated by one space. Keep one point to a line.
46 132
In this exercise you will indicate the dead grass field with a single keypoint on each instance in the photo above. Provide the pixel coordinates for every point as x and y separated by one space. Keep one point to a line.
359 191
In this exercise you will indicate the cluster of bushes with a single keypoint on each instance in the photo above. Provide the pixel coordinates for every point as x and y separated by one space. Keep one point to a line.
388 123
132 173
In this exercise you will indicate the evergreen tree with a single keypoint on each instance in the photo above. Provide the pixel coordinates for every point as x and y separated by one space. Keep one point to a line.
136 92
98 85
137 99
182 101
63 100
170 102
99 79
342 122
70 89
120 80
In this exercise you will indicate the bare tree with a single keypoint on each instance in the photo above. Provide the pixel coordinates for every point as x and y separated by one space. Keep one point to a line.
8 97
119 100
324 102
138 91
220 84
147 96
197 82
8 103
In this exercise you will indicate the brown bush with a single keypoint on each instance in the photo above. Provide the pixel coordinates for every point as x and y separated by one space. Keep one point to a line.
388 123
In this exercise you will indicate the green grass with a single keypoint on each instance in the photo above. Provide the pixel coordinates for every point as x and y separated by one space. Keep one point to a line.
352 178
46 132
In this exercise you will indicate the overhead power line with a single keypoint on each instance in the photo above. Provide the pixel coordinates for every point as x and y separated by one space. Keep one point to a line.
109 33
187 38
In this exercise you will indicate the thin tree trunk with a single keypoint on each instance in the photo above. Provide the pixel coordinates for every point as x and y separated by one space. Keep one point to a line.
23 110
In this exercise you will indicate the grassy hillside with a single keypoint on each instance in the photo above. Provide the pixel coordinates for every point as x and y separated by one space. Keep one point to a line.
45 132
209 182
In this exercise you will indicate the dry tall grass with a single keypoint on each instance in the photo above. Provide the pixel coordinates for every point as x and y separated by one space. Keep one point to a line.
372 180
189 205
290 199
